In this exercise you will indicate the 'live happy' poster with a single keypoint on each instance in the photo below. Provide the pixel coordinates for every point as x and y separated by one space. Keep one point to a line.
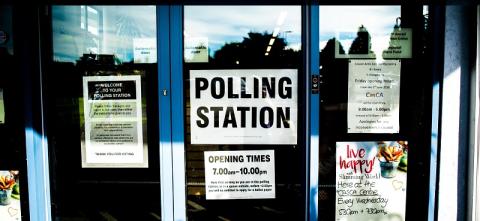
371 181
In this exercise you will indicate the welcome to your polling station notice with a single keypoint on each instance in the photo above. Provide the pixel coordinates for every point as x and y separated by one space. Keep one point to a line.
113 122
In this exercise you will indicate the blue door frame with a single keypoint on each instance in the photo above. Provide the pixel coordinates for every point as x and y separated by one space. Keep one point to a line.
171 114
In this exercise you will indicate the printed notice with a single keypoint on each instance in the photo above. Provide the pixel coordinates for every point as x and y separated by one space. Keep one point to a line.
371 181
113 121
145 50
400 45
246 174
373 96
243 106
2 108
196 50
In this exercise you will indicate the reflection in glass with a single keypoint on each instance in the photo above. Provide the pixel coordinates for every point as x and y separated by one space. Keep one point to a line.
239 37
364 31
126 32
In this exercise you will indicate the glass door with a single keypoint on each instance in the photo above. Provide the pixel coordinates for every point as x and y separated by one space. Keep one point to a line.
103 113
244 111
375 112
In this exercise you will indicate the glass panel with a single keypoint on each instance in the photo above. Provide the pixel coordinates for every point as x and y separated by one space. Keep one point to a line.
103 113
13 169
244 149
374 113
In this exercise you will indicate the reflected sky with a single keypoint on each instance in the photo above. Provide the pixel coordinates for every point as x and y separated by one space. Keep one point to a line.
79 30
343 22
225 24
113 29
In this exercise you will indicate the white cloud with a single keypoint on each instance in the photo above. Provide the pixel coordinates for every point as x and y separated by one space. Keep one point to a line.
224 24
377 19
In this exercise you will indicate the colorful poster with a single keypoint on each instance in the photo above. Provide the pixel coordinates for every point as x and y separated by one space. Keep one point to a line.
248 174
113 122
10 209
243 106
2 108
371 181
373 96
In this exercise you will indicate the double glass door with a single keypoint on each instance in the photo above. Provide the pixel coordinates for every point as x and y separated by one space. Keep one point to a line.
244 113
243 122
214 112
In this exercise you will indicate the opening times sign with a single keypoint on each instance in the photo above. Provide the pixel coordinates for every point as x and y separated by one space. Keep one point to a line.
240 174
243 106
371 181
373 96
113 121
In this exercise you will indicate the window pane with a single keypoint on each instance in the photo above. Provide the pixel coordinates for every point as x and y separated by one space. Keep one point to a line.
374 110
103 113
240 47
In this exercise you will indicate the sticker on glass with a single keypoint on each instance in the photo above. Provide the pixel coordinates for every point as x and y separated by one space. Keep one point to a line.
196 50
145 50
400 44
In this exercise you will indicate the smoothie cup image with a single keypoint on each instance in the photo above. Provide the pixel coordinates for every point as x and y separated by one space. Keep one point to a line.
6 186
389 169
389 157
5 196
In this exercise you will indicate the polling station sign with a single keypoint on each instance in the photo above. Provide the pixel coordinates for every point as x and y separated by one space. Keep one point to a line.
247 106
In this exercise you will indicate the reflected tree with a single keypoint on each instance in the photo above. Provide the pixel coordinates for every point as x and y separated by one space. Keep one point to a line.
251 53
362 44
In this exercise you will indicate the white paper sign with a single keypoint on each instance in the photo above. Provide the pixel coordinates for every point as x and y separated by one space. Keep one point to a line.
373 96
400 45
370 183
2 108
196 50
240 174
113 122
144 50
243 106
